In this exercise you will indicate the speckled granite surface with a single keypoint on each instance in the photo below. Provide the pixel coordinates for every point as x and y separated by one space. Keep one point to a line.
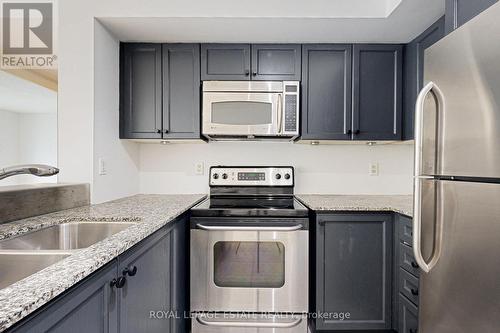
151 212
402 204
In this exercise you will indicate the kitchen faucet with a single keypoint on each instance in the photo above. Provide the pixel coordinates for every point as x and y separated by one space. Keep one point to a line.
39 170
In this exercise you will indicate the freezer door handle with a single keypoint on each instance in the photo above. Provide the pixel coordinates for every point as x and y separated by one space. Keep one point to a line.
252 324
417 230
431 87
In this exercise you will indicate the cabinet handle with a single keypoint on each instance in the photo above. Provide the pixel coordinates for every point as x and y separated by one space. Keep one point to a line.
357 132
118 283
414 292
413 330
349 132
158 131
247 72
130 271
254 73
414 264
165 131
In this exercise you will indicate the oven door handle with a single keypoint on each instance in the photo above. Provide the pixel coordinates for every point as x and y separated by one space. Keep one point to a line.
255 324
247 228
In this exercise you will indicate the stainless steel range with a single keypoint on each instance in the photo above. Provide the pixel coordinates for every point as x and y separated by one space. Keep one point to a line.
249 253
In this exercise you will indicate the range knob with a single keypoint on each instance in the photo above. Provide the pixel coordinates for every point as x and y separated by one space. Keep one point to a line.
216 176
287 176
278 176
224 176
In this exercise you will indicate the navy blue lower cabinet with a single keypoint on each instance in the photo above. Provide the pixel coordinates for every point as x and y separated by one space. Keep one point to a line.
144 290
354 271
406 278
91 306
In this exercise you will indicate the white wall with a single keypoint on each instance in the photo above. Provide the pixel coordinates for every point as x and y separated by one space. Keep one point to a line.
27 138
9 142
329 169
120 157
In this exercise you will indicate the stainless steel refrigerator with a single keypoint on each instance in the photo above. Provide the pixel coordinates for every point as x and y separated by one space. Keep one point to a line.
457 181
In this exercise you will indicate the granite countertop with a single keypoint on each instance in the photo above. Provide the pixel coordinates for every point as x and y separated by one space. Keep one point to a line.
402 204
151 212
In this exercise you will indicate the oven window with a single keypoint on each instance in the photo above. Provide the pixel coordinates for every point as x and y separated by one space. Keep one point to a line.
249 264
242 113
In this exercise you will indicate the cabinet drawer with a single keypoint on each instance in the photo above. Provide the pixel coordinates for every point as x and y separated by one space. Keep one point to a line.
408 316
407 260
408 285
406 230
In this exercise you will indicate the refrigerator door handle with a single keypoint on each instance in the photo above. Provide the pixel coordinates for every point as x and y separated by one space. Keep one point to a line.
419 121
417 205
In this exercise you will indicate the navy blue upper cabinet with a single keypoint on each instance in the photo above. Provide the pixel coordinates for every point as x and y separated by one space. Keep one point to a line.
276 62
140 95
326 94
160 91
459 12
181 91
377 91
414 72
225 62
250 62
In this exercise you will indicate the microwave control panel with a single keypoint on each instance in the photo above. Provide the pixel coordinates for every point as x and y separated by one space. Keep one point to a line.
291 106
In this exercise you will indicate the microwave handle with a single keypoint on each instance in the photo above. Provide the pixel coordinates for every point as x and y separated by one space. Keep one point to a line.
280 113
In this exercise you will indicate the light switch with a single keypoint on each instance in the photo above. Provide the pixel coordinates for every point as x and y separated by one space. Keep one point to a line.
102 166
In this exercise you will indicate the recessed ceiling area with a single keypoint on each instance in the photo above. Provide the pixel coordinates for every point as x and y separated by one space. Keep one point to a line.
325 21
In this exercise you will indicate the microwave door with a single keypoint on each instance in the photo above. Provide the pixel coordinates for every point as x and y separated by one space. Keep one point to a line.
241 114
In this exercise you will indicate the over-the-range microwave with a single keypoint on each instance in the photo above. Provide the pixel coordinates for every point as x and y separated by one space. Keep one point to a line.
250 110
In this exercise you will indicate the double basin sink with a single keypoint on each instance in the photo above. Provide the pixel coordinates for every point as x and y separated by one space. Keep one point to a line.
27 254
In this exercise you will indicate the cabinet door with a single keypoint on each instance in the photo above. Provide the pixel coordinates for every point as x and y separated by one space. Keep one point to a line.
276 62
225 62
181 91
377 95
149 289
414 72
459 12
140 95
408 316
326 96
89 307
354 271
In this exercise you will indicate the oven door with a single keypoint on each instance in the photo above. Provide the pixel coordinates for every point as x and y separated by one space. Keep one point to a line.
249 268
241 114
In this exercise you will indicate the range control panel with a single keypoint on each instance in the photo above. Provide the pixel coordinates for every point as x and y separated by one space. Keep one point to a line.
251 176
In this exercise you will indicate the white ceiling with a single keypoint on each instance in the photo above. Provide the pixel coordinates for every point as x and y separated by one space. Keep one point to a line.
18 95
334 21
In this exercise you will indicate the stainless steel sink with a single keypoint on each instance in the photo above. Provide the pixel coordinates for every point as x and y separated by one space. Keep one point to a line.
16 266
66 236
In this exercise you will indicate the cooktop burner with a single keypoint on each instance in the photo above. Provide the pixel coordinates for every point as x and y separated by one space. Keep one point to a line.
247 206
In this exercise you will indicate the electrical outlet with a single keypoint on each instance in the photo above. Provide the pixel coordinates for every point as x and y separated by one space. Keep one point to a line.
102 166
373 169
199 169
